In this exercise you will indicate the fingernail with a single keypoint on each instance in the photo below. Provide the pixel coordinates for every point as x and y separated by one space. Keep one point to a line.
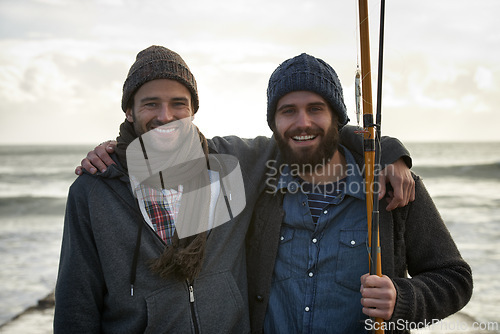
93 170
103 170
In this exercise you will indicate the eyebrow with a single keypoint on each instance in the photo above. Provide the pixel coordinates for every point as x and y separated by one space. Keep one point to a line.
285 106
149 99
180 99
318 103
154 98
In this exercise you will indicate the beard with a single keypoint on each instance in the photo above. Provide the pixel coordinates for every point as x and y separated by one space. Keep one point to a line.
307 160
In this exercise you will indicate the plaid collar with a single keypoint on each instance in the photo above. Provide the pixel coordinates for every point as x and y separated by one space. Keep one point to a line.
160 209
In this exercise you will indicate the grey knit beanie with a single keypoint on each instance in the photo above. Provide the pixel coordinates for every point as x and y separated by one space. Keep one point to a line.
305 72
158 62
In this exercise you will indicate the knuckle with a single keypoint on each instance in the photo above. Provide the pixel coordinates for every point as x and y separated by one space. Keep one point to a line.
398 197
93 159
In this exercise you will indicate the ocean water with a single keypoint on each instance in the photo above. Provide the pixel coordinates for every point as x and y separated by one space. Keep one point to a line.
34 182
463 179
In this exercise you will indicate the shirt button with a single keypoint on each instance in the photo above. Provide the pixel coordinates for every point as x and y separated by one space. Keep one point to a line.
314 240
282 238
307 309
311 274
325 212
259 298
303 203
353 242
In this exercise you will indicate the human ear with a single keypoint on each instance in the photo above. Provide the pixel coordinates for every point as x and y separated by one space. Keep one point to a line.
129 115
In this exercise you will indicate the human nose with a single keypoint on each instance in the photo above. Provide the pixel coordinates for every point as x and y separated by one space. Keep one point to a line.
303 120
165 114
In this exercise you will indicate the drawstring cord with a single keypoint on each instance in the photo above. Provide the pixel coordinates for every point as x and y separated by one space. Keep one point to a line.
133 272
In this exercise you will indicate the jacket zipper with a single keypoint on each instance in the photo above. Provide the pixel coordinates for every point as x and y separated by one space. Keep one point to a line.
191 303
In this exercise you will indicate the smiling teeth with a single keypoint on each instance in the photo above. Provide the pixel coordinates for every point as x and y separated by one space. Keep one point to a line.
169 130
302 138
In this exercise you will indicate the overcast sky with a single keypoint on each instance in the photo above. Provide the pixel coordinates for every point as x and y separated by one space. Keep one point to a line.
63 62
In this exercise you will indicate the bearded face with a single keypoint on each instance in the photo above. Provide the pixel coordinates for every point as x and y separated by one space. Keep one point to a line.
305 130
307 159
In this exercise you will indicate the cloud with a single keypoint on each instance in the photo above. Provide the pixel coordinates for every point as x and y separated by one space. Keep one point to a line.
484 79
64 62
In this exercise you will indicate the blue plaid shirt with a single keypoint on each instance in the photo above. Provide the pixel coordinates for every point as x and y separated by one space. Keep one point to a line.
316 279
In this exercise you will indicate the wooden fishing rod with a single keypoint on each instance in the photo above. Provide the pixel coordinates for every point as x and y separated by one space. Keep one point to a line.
371 143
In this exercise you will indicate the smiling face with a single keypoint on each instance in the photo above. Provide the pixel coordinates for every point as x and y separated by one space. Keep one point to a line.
305 129
157 105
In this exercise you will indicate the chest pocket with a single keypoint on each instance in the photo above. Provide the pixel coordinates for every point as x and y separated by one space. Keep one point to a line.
352 258
284 259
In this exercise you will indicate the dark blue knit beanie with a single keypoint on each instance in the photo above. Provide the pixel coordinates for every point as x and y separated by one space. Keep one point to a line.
308 73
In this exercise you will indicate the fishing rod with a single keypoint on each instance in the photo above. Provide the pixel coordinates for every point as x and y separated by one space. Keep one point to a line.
371 142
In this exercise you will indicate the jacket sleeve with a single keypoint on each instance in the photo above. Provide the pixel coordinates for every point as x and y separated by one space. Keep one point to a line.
254 156
392 149
80 285
441 281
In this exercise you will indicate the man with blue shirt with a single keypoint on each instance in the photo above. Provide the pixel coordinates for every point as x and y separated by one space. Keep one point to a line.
306 248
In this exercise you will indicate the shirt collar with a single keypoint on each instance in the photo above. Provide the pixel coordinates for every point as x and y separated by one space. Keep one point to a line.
354 182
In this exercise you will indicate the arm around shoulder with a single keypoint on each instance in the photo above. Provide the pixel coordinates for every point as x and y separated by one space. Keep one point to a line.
392 149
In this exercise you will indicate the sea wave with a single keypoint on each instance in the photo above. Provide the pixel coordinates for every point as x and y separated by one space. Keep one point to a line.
475 171
32 206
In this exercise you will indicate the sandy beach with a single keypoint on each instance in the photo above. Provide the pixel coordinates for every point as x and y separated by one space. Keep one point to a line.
35 320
